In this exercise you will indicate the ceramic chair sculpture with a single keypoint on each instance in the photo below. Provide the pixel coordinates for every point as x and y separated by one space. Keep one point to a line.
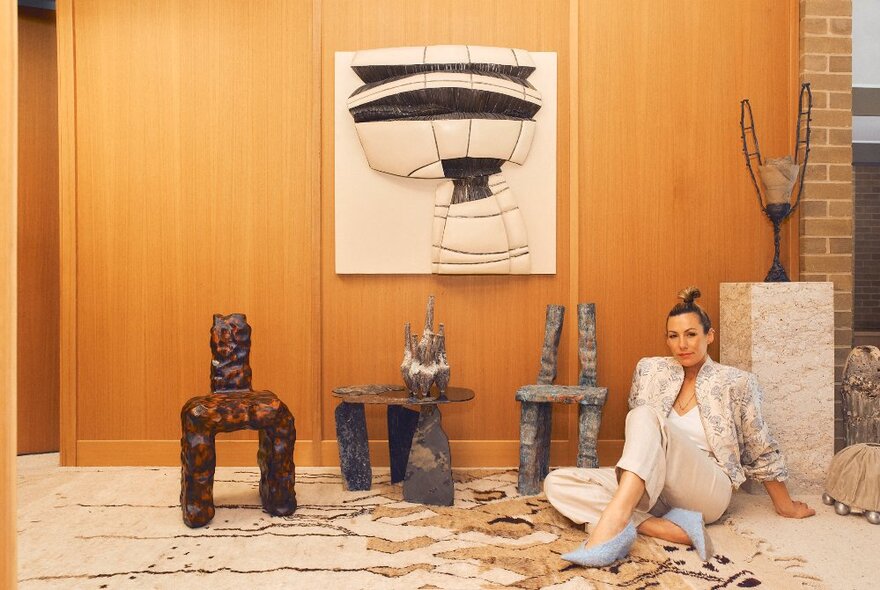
536 415
233 405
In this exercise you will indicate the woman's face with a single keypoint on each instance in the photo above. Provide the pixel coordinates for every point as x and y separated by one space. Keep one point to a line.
686 339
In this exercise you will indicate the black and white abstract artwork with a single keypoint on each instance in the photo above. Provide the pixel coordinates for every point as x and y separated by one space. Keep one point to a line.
445 161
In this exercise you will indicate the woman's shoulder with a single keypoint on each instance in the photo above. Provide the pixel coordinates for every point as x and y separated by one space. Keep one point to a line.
733 375
655 362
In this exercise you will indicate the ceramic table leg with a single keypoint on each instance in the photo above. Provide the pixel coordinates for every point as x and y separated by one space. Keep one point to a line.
402 424
354 450
429 469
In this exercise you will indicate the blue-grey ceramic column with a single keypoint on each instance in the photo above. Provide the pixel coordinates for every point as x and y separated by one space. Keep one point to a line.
589 420
587 344
536 418
429 469
402 424
589 416
534 446
354 450
552 333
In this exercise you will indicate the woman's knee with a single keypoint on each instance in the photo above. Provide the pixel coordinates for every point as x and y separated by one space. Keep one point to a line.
642 415
713 515
553 481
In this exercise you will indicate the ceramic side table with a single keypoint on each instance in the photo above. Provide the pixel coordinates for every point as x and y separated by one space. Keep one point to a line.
418 446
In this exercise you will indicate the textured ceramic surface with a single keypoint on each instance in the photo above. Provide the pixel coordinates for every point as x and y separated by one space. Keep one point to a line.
383 222
353 446
418 446
861 395
234 406
784 334
450 112
536 400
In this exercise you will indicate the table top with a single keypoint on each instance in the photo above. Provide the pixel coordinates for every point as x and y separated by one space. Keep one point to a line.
401 397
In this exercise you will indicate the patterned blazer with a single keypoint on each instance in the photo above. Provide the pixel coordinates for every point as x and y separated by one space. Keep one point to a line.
730 409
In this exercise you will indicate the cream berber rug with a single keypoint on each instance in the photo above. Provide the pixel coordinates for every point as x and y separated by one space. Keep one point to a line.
121 528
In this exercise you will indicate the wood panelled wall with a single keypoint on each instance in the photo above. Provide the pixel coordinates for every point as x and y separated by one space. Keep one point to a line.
38 425
8 293
197 178
666 201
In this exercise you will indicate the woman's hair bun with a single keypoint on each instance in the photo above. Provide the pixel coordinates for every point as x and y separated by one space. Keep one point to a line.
689 294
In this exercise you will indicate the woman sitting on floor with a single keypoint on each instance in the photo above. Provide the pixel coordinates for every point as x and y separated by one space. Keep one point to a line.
694 433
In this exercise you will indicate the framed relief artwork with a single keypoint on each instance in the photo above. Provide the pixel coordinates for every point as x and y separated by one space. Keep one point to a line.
445 161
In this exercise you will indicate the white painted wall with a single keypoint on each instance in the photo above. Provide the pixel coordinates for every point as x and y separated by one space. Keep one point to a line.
866 43
866 63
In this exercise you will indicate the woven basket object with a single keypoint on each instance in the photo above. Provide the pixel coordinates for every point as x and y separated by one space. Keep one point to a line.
853 481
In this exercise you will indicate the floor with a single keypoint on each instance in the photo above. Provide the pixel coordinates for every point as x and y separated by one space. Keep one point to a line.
839 551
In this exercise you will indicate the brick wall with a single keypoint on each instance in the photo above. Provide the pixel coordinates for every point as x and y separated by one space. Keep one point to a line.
867 247
826 225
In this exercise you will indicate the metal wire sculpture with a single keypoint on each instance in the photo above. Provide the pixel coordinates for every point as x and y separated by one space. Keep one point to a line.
778 206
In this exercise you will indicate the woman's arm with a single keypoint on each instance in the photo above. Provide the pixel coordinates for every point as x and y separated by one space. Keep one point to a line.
783 503
761 457
634 388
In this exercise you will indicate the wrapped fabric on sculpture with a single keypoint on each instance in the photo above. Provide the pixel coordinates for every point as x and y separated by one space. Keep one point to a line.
456 112
779 176
853 481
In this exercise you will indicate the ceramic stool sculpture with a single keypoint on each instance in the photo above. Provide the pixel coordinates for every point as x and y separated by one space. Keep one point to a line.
536 412
853 481
231 406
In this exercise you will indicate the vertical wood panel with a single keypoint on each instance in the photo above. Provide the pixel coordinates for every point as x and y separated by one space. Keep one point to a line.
494 325
38 272
8 217
666 198
66 51
574 43
194 164
204 151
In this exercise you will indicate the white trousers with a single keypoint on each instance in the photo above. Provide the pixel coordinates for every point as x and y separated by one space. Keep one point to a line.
677 474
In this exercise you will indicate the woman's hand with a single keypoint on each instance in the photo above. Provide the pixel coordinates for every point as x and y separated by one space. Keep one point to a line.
794 509
783 503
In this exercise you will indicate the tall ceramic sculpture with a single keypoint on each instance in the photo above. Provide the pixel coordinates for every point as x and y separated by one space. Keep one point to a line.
778 175
456 112
424 360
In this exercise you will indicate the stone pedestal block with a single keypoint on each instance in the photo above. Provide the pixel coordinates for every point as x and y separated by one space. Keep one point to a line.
784 333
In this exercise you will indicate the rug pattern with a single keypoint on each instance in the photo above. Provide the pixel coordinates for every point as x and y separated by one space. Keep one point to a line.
122 528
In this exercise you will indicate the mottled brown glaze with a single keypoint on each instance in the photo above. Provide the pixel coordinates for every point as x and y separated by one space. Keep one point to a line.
227 410
231 350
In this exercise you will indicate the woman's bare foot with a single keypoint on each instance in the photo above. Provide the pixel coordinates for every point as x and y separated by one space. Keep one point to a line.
610 524
660 528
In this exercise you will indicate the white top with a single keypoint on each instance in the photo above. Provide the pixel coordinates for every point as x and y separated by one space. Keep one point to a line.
691 425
